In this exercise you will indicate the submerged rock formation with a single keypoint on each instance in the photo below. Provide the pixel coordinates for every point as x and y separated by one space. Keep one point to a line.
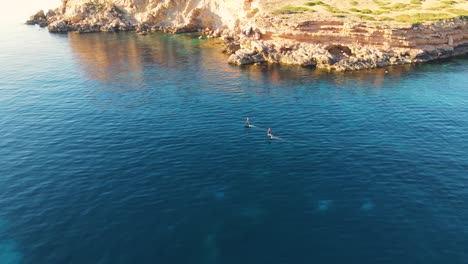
255 35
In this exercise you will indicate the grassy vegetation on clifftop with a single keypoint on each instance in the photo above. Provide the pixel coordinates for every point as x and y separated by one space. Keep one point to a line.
370 11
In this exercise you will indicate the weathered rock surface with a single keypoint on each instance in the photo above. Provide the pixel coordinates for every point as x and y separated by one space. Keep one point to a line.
39 18
253 35
173 16
91 17
339 46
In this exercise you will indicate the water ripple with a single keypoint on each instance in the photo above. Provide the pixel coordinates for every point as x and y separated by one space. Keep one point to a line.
116 147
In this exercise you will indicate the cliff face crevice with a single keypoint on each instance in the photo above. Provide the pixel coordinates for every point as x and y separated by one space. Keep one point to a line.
324 32
353 46
253 35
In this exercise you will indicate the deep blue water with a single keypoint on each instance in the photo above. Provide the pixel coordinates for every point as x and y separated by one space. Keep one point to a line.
120 148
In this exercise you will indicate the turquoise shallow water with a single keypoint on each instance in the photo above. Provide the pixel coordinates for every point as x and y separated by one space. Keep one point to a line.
120 148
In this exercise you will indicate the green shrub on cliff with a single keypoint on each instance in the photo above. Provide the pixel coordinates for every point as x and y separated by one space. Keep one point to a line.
314 3
95 6
460 12
380 3
291 10
332 9
366 17
366 11
448 2
399 7
380 12
422 17
386 19
416 2
399 11
327 7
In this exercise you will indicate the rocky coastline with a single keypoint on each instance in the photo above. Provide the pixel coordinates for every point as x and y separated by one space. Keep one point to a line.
253 36
89 17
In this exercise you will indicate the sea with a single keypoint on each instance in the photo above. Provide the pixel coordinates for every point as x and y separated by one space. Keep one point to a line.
121 148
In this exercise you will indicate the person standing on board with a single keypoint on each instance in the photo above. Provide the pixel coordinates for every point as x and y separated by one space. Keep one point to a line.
269 133
247 122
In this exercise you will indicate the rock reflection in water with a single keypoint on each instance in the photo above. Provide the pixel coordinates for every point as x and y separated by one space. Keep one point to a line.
129 60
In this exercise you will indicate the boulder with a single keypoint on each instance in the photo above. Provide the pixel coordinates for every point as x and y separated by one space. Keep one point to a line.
59 26
231 47
142 27
39 15
38 18
298 57
42 23
246 57
77 18
50 13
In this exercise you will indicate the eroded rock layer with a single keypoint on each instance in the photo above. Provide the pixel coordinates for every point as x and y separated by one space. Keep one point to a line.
253 35
343 46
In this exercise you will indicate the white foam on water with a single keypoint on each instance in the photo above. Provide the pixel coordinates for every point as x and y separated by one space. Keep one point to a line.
276 138
324 205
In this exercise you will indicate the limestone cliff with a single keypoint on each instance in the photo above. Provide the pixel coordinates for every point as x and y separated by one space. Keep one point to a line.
253 34
178 15
337 45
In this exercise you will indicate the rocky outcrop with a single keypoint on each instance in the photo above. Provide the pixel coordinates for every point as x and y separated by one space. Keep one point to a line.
253 35
173 16
335 45
40 18
91 17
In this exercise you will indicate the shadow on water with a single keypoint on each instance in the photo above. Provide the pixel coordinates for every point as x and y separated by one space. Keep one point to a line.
375 77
